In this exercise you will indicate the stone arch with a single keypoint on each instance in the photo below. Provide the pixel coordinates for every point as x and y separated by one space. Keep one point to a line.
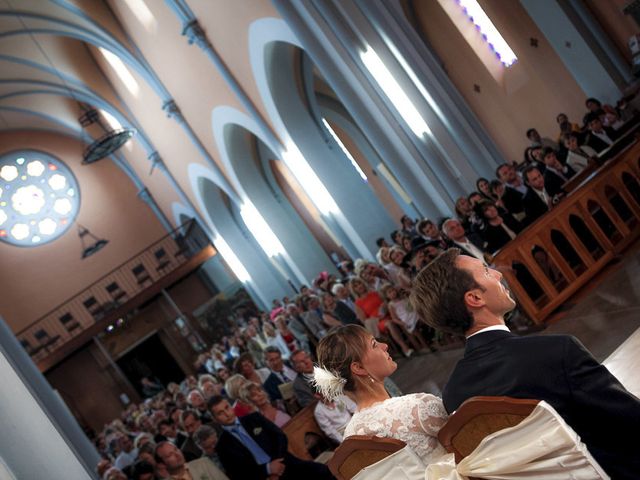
358 212
397 201
239 145
248 262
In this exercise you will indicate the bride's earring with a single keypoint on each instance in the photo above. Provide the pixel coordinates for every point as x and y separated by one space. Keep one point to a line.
371 379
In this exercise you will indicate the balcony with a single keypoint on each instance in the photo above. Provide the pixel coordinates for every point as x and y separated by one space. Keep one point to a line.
561 252
75 321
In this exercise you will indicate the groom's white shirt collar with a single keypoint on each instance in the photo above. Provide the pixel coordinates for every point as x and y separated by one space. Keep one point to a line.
489 329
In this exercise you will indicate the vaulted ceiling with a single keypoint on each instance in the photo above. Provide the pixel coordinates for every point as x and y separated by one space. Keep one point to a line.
49 61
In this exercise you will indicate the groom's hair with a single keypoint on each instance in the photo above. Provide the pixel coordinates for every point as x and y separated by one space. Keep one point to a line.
437 294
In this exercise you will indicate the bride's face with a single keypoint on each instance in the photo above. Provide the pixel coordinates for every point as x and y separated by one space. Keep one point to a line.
377 361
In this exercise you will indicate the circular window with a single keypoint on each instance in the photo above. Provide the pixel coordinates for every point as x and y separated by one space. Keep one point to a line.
39 198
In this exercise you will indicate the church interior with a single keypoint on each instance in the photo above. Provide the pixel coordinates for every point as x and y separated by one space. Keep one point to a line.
171 170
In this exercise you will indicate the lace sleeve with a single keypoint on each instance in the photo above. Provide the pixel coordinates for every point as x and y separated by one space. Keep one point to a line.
431 413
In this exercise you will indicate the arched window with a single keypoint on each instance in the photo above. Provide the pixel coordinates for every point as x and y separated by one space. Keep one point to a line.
39 198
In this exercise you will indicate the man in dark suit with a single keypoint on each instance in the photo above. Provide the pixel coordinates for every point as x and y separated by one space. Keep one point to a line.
510 188
537 201
599 137
556 174
459 294
471 245
512 200
280 373
167 432
190 423
252 447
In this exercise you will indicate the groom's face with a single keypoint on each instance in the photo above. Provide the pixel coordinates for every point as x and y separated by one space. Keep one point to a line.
495 296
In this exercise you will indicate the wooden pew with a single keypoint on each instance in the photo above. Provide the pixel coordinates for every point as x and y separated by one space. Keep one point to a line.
297 428
597 220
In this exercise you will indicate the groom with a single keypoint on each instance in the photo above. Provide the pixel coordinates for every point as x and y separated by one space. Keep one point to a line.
459 294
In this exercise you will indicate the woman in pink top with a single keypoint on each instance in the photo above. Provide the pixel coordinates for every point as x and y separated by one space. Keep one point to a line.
255 395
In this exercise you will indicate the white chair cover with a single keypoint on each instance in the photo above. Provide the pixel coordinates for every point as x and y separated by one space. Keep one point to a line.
402 465
541 447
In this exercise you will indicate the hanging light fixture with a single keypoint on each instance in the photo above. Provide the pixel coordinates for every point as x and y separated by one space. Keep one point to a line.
105 145
90 243
110 139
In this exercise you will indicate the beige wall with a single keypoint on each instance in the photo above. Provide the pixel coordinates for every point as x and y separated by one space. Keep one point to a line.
615 23
229 35
533 91
35 280
197 89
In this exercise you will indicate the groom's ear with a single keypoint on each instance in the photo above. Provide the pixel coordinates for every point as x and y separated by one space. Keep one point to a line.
474 298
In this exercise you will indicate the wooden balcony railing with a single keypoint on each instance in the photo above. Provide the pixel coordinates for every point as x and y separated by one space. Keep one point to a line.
116 293
560 252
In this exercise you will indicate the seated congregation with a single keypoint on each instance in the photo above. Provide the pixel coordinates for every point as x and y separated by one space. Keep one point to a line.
312 375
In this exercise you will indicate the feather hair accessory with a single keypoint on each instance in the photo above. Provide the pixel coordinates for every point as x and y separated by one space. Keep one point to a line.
329 384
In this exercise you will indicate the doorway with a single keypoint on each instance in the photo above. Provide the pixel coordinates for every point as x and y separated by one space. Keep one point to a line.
150 358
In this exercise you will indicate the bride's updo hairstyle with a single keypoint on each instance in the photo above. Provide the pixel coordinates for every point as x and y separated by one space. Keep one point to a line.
339 349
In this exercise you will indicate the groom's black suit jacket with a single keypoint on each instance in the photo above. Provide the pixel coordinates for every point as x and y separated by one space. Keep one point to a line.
559 370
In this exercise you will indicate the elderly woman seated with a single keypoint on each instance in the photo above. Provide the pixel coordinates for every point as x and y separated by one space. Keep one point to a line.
253 394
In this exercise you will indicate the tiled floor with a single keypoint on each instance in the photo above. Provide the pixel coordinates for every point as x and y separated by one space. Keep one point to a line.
604 317
625 362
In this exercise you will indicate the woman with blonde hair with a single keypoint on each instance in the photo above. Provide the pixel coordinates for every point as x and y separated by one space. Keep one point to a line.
352 361
253 394
232 386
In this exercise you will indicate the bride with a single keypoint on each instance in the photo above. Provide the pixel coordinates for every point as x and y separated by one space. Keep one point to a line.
542 446
351 360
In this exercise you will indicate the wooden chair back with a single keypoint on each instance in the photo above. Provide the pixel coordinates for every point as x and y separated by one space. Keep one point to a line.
360 451
479 417
299 428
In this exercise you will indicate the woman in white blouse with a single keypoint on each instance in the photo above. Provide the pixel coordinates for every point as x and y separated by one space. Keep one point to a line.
352 360
333 416
274 339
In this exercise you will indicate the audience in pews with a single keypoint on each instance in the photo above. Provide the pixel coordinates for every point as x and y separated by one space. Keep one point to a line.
253 447
271 354
177 467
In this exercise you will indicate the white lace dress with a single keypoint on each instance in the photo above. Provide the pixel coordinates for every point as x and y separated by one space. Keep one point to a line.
415 419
